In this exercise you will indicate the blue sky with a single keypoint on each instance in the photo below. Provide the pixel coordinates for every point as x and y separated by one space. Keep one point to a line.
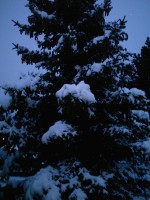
137 13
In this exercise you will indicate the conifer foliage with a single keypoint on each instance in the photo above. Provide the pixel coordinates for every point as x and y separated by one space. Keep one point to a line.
143 65
81 129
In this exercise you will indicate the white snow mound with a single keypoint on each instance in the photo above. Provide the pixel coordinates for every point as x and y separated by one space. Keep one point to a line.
80 91
59 129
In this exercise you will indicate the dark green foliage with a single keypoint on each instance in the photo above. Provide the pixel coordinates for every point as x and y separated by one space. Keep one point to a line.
143 65
82 115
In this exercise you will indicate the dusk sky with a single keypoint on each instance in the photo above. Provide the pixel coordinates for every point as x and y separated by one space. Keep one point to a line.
137 13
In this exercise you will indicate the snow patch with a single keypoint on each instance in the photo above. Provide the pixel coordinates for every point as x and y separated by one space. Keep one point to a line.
4 99
95 68
101 38
6 167
16 181
27 81
4 127
140 114
98 3
78 194
59 129
42 185
80 91
137 92
43 14
68 178
146 145
132 95
98 39
119 130
95 180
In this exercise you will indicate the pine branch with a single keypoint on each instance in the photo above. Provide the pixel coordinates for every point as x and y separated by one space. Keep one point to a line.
16 23
15 46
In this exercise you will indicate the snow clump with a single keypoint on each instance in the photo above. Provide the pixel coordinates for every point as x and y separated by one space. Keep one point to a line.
42 185
140 115
59 129
81 91
5 99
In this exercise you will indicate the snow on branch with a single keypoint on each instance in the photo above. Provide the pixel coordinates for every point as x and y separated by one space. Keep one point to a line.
81 91
45 15
42 185
5 99
143 144
137 92
132 95
59 129
95 180
68 179
141 115
78 194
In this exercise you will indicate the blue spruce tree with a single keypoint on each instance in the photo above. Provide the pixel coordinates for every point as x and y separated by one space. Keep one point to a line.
81 131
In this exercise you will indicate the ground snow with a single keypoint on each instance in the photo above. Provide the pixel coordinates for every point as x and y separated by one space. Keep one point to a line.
81 91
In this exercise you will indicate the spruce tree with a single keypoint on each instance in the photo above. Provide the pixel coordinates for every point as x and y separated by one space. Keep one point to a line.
82 127
142 61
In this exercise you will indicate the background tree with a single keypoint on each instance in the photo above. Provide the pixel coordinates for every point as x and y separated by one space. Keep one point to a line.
81 120
143 67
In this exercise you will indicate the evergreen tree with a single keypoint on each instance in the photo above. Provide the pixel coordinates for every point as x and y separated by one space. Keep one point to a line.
143 65
82 121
